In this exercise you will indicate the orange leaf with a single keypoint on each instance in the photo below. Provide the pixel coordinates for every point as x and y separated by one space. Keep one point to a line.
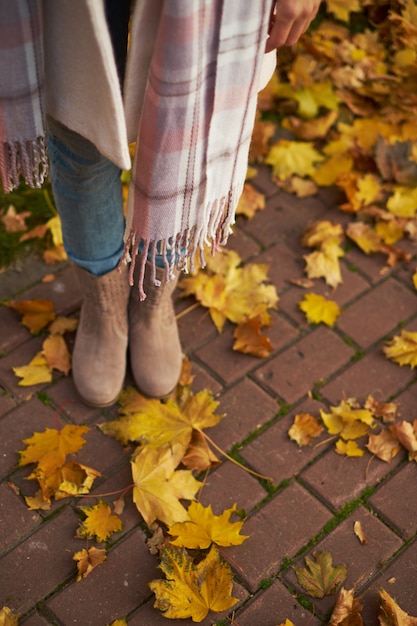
250 340
36 313
304 428
87 560
56 353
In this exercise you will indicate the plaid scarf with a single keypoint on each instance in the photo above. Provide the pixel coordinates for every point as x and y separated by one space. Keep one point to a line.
194 129
22 118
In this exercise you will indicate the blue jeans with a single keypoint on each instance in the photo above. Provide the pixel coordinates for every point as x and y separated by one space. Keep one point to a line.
88 195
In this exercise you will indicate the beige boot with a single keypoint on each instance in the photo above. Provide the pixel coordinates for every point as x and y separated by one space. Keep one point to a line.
99 357
154 344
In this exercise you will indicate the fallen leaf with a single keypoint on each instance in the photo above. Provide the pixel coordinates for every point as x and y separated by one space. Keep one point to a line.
191 590
199 456
56 353
71 479
54 226
364 236
403 349
304 428
348 448
7 617
100 523
390 614
348 422
347 610
320 578
357 529
204 528
36 313
293 157
54 255
159 487
250 202
37 371
385 446
87 560
38 502
387 411
38 232
325 264
342 10
319 309
13 221
63 325
406 433
250 340
50 448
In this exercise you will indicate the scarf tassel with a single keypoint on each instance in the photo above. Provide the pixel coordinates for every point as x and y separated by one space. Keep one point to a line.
26 158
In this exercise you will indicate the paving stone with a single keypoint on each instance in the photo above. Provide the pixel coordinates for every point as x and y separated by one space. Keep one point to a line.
21 356
273 453
12 331
363 321
284 265
26 573
195 326
274 606
203 380
263 182
338 479
66 401
314 357
373 374
15 518
363 560
280 528
113 589
35 619
230 365
399 580
24 273
30 417
101 452
228 485
353 285
389 500
63 291
7 402
246 407
240 241
372 266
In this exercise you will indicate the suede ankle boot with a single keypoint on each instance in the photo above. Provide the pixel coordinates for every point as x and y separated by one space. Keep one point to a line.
99 356
154 344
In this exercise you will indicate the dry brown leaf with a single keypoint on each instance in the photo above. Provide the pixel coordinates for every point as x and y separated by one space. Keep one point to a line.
357 529
56 353
385 446
390 614
13 221
87 560
199 456
304 428
407 436
347 610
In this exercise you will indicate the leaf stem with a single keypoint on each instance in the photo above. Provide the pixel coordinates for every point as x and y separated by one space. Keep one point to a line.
229 458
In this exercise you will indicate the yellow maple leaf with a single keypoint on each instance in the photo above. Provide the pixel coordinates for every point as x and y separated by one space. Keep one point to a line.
319 309
329 172
56 353
37 371
293 157
100 523
231 291
191 590
348 422
157 423
7 617
63 325
324 263
87 560
403 349
391 614
304 428
36 313
348 448
389 231
342 9
71 479
403 202
50 448
250 201
322 232
287 622
204 528
310 98
159 486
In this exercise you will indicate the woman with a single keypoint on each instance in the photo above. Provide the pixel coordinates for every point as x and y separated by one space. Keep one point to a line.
188 98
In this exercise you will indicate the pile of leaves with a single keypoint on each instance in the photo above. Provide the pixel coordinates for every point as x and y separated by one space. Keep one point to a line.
170 447
349 422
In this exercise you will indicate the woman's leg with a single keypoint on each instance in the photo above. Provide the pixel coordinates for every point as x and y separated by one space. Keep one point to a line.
88 195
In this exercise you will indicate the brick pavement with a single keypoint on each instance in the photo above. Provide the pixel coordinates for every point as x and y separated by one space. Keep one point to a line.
316 495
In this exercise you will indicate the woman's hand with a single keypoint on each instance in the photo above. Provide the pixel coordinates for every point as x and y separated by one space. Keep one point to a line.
289 21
